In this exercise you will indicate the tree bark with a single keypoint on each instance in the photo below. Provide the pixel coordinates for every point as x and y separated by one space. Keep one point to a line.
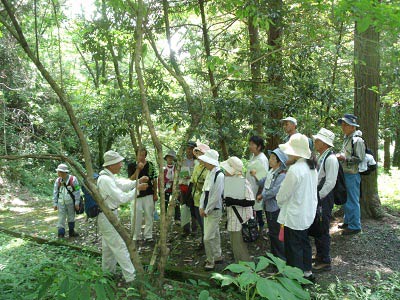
396 153
211 77
366 106
275 66
387 139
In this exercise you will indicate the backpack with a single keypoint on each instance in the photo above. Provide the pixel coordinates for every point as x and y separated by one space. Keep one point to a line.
92 209
70 183
369 161
339 191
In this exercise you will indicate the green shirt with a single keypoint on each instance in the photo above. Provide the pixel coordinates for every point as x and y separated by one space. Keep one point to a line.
198 177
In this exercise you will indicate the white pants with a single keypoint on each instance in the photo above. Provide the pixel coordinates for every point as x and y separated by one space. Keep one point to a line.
114 250
212 238
65 211
143 205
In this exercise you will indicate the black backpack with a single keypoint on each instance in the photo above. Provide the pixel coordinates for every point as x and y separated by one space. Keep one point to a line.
339 191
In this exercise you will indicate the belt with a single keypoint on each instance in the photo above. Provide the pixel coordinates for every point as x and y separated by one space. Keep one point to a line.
216 208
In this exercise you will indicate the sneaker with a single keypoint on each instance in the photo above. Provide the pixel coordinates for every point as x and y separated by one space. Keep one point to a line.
321 267
348 231
209 266
343 226
309 278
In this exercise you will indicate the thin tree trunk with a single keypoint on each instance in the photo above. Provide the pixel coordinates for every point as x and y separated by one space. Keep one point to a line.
396 153
275 67
386 140
366 106
211 77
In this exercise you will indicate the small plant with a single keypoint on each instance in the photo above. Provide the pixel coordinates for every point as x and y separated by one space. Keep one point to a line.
256 283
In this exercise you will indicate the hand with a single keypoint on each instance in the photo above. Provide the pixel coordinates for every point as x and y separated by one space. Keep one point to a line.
140 166
259 197
143 179
253 172
55 207
202 214
340 156
77 207
142 186
155 197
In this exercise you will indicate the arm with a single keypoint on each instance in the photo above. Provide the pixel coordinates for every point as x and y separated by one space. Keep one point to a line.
287 188
125 184
274 189
215 195
261 182
358 153
113 195
331 172
55 193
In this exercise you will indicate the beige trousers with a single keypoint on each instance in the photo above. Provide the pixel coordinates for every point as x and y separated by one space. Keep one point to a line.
212 238
239 247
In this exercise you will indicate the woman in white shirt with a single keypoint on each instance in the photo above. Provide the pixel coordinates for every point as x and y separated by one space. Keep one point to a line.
256 147
239 200
297 199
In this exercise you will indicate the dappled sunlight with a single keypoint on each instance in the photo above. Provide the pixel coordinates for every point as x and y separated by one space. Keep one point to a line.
50 219
18 202
22 210
15 243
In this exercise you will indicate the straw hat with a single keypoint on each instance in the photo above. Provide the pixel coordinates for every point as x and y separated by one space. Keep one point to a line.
297 146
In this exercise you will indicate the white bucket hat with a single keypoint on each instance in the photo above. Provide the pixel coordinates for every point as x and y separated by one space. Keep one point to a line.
325 136
111 157
297 145
233 165
62 168
211 156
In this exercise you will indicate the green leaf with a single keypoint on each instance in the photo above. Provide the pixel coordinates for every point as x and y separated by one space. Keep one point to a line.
263 263
43 289
248 278
294 288
204 295
268 288
279 263
237 268
293 273
226 279
100 292
363 24
249 264
64 286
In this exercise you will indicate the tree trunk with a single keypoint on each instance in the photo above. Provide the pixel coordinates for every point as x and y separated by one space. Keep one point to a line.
396 153
211 77
387 139
275 66
366 106
255 69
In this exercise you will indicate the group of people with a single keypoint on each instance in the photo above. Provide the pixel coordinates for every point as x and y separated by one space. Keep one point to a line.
290 187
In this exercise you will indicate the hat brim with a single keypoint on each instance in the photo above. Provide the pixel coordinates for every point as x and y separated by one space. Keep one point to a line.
227 167
113 162
209 160
347 122
289 150
60 170
281 159
165 157
322 139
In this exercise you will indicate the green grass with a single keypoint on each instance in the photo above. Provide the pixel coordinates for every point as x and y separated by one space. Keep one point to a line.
389 189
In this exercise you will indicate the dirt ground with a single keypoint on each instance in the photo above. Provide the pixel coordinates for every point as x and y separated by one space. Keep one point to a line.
355 258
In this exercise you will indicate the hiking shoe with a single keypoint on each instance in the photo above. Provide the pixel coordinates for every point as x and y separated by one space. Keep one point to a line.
348 231
209 266
316 259
343 226
321 267
73 234
61 236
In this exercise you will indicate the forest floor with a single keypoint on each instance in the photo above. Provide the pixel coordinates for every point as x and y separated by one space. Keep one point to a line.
356 258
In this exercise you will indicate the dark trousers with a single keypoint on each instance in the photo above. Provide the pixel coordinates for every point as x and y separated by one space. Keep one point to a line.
177 215
259 218
298 250
323 242
277 247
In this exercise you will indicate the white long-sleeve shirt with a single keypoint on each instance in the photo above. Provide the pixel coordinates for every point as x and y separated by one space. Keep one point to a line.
297 197
253 181
115 191
330 172
215 191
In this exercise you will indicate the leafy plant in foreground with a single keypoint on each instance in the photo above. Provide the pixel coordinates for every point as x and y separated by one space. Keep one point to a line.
256 283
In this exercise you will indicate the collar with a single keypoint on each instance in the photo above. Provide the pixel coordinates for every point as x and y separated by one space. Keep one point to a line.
107 172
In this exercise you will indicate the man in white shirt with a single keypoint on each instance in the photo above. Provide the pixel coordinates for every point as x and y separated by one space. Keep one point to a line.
211 208
328 167
115 192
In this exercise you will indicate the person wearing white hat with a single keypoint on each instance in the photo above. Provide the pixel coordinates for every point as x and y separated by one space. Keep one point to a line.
196 186
211 208
66 199
289 125
115 191
297 200
233 167
328 167
352 154
270 188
